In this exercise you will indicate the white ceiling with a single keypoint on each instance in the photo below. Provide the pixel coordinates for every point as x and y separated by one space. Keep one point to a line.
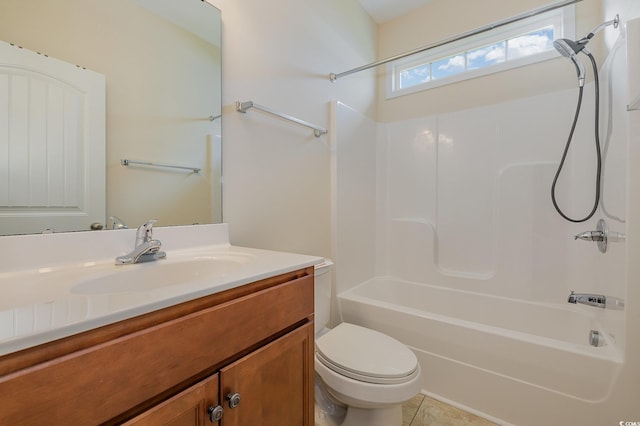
385 10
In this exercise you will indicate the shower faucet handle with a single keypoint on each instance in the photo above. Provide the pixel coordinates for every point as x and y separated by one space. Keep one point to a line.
601 235
590 236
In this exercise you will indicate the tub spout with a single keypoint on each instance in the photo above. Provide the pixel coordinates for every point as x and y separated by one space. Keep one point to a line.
597 300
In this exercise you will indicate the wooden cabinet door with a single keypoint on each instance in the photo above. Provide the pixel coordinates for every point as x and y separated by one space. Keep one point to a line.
275 383
188 408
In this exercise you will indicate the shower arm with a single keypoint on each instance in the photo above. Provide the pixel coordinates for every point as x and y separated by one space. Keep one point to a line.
615 22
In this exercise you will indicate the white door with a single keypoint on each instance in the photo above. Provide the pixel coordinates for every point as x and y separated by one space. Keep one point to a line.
52 144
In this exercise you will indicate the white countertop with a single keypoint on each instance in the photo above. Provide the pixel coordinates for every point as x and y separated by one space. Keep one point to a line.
57 285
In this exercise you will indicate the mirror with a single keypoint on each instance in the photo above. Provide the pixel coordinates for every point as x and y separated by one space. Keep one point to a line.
160 61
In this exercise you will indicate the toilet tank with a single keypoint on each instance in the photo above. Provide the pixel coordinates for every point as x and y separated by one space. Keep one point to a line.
322 294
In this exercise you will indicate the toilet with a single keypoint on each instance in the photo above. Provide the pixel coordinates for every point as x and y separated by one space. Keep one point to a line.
362 376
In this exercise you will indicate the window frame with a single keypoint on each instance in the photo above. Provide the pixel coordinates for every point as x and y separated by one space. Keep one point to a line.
562 20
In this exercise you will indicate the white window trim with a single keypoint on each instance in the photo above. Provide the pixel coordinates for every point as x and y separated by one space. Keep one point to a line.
562 19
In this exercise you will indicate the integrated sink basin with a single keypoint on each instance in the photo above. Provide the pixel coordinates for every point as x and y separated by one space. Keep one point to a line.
46 285
151 276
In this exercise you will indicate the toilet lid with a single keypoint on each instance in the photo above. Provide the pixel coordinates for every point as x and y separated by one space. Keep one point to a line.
366 355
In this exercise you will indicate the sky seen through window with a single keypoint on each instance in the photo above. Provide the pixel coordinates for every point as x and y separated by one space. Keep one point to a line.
528 44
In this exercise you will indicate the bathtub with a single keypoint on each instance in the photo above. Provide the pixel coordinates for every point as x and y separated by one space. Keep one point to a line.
509 360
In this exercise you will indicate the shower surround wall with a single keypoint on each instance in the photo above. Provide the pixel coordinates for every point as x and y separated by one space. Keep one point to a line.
469 205
461 200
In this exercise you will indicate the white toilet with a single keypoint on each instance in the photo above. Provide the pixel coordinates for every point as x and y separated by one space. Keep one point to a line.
362 376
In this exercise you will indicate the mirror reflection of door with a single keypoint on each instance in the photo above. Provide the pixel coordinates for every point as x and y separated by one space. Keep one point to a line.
162 63
52 132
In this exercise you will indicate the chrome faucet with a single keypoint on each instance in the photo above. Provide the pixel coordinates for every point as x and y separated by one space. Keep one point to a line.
597 300
146 249
117 223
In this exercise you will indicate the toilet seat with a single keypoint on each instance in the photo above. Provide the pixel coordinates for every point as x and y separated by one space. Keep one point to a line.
366 355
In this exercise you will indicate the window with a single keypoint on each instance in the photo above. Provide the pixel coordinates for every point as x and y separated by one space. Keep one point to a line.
514 45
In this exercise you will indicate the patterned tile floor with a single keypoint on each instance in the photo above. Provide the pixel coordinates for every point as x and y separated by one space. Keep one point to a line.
425 411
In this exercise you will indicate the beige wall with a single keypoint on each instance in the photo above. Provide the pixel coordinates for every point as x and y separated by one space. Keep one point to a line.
445 18
277 180
162 84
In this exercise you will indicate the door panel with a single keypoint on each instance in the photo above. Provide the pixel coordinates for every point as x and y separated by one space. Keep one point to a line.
52 143
273 386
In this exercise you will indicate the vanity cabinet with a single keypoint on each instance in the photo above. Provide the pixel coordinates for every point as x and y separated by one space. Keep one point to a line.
253 343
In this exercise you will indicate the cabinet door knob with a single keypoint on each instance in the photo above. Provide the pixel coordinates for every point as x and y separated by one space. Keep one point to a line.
234 399
215 413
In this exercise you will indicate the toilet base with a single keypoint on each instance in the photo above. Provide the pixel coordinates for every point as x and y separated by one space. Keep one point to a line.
327 411
386 416
330 412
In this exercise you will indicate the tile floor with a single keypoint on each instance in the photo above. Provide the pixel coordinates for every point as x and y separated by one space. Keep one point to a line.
425 411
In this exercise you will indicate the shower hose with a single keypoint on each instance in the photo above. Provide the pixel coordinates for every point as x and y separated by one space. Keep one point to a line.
597 145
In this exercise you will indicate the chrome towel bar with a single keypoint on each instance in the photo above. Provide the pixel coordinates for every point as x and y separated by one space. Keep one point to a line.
126 162
244 106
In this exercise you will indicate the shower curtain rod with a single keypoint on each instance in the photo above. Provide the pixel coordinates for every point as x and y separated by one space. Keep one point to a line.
333 77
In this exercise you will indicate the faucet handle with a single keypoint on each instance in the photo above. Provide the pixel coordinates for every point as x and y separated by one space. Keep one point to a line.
601 236
144 234
590 236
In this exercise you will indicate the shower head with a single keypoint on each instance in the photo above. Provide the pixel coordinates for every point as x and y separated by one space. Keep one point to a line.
569 49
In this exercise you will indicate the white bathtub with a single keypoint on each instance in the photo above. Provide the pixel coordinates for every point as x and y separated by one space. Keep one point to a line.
510 360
